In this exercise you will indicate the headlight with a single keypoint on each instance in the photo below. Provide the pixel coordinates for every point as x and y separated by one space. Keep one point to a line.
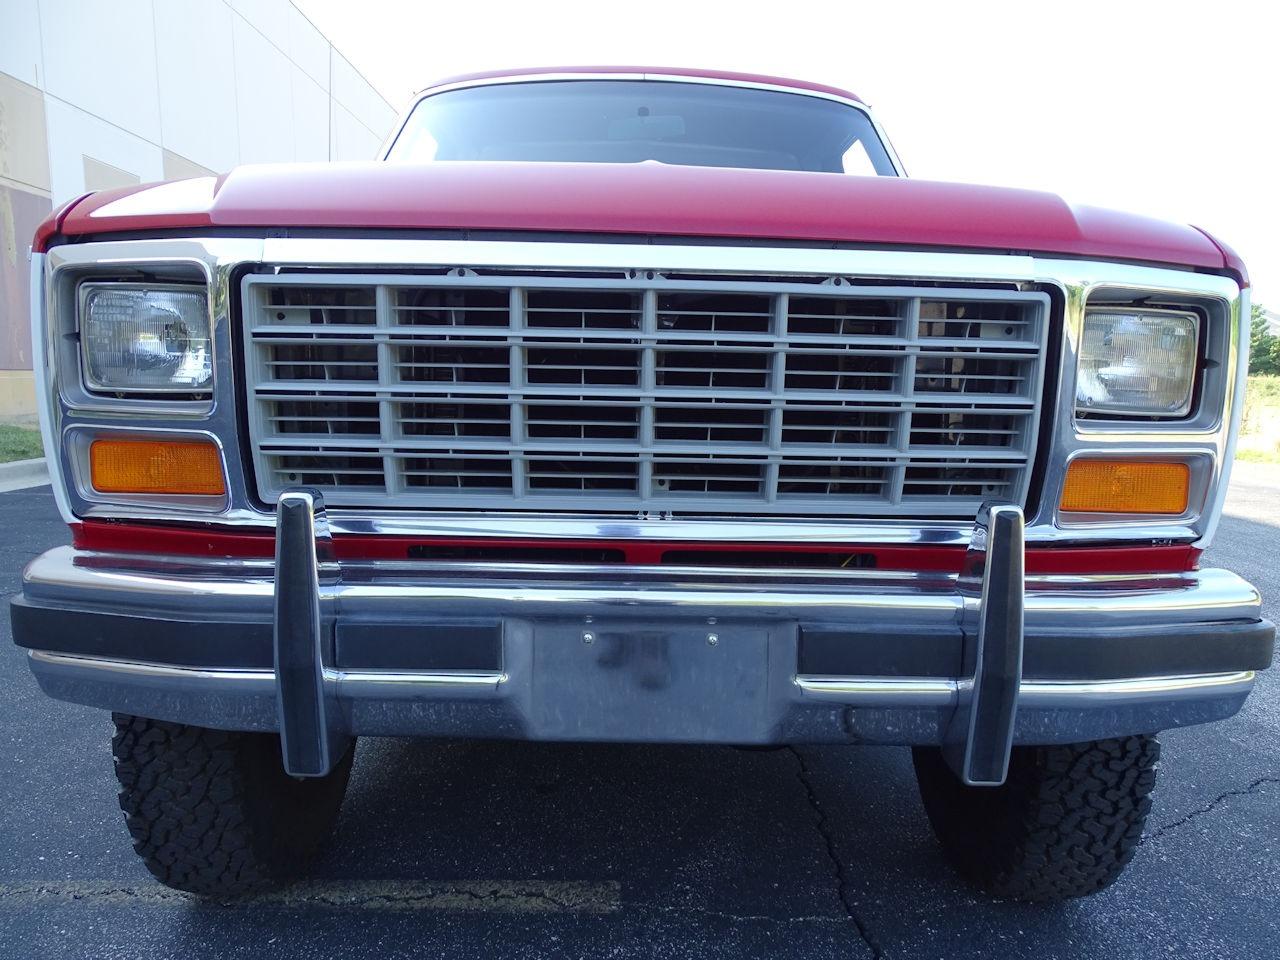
1137 362
145 339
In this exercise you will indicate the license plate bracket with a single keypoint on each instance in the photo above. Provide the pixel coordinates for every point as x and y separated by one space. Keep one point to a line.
641 681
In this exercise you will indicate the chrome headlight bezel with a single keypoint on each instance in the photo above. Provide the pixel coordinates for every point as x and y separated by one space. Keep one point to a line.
1185 383
94 385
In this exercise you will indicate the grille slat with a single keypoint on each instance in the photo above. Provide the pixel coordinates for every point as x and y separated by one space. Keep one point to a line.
737 395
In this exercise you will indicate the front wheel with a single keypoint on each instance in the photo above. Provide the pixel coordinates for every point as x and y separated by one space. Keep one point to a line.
213 812
1064 824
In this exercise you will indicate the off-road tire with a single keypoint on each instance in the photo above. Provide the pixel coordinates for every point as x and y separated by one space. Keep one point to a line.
212 812
1065 823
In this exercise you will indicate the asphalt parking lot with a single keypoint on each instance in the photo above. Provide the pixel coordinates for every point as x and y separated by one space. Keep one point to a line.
528 850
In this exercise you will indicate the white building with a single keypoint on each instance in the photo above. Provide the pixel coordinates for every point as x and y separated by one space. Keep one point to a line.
103 94
1273 322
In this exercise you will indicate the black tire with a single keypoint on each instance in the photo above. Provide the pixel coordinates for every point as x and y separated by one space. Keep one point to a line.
1065 823
213 812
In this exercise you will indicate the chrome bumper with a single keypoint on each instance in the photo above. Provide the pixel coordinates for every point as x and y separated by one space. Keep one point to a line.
320 651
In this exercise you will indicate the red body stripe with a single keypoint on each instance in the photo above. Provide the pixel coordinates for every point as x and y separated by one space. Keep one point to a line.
191 541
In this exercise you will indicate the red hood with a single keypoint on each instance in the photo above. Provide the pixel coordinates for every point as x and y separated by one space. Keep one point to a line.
646 198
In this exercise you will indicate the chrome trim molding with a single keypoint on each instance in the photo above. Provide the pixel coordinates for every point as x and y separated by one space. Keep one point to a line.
866 691
1046 693
939 692
429 679
881 691
264 676
1241 313
154 670
45 379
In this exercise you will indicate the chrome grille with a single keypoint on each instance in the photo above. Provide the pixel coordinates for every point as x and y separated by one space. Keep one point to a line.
643 393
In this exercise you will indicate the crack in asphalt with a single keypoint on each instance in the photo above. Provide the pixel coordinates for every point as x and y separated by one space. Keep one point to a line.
822 824
1208 808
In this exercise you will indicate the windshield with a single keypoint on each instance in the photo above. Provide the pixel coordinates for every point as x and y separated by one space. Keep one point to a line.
630 121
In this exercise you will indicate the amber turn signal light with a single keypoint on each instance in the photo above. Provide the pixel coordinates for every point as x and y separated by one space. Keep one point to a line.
1126 486
191 467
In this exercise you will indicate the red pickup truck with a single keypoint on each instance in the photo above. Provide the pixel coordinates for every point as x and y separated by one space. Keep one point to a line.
632 405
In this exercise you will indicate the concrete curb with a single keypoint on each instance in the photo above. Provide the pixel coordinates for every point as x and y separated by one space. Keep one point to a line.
23 473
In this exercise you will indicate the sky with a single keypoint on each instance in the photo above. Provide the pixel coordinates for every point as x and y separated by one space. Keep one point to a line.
1166 109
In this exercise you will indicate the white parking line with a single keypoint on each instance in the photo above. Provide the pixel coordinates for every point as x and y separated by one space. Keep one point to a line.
498 896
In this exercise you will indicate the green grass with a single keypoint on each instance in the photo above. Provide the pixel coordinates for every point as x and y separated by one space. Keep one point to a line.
1260 429
19 443
1264 390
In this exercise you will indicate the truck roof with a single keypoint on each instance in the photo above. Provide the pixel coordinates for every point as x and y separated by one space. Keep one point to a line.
635 72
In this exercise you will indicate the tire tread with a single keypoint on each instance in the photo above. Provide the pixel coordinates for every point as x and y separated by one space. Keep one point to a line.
212 812
1065 824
